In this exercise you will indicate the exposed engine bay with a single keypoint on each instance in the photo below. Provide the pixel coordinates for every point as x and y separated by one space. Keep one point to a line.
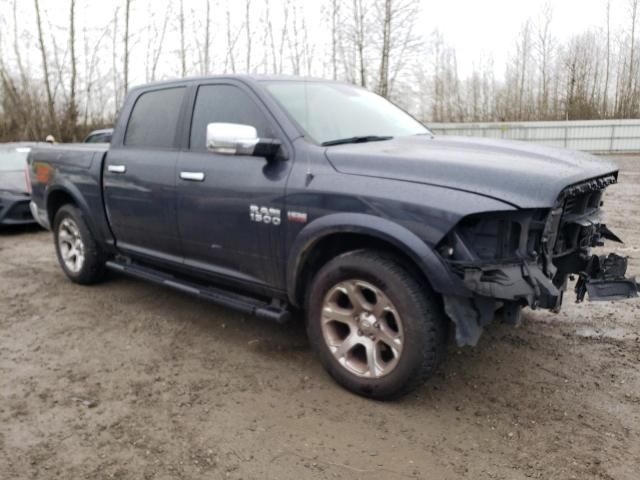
514 259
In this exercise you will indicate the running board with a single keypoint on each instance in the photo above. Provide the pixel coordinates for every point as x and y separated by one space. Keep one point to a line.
218 296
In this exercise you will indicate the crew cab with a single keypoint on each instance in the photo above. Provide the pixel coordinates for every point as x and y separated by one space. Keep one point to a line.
280 195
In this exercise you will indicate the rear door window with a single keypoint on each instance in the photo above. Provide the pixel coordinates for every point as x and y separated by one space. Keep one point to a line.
154 120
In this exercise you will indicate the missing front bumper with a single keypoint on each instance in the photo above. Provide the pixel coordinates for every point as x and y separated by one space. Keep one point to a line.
511 287
604 279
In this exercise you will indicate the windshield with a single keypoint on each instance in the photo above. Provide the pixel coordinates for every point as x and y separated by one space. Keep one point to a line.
335 111
13 159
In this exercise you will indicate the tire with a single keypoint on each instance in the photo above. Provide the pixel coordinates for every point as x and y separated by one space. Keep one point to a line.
71 234
391 306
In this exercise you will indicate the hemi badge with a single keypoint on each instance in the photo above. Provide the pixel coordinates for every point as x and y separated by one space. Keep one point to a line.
297 217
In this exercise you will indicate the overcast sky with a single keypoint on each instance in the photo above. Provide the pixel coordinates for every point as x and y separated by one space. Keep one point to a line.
489 27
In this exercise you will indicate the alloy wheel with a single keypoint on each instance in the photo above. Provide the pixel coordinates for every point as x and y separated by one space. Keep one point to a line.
362 328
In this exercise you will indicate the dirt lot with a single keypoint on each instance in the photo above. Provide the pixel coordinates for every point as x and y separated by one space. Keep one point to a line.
129 380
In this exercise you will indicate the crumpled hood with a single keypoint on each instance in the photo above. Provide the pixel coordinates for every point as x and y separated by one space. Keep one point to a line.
13 181
522 174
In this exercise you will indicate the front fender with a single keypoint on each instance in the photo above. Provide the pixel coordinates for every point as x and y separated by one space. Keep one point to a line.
439 275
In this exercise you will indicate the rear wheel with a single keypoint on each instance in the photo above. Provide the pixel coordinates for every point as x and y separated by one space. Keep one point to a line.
378 331
78 253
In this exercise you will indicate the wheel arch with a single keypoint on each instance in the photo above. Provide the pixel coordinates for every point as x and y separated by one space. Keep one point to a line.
339 233
61 195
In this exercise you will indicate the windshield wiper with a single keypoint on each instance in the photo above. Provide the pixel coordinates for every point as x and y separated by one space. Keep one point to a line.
362 139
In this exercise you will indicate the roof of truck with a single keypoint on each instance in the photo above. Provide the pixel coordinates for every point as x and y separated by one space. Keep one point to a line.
245 77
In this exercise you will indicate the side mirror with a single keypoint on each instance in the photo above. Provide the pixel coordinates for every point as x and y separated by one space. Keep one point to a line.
238 139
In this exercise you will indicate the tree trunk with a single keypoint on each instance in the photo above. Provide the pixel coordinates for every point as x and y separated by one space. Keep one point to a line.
207 39
160 42
358 13
247 21
605 94
383 83
45 68
114 63
272 42
524 57
631 82
126 44
183 51
230 45
334 39
72 112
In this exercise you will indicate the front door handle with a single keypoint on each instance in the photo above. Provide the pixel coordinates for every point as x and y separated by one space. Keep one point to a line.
117 168
192 176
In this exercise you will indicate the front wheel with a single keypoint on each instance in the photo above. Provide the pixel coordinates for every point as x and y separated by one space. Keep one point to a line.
78 253
378 331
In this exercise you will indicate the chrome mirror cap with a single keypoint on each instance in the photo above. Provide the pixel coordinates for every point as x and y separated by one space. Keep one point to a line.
231 138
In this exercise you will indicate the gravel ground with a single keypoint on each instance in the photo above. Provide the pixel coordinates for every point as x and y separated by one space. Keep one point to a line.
130 380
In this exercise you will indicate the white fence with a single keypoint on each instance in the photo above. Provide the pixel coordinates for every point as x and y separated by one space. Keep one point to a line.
587 135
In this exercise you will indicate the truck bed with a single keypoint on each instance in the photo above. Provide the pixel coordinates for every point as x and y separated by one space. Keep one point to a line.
75 167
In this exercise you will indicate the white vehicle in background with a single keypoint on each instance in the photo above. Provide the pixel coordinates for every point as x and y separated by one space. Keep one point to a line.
15 188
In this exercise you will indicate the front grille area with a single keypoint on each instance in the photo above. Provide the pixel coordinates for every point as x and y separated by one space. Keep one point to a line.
582 203
593 185
577 201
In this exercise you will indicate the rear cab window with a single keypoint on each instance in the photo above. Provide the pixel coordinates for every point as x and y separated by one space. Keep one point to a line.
98 138
153 122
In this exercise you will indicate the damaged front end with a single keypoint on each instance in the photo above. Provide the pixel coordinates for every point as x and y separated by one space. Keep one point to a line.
514 259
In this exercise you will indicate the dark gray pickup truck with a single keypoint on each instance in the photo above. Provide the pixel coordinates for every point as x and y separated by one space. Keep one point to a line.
276 195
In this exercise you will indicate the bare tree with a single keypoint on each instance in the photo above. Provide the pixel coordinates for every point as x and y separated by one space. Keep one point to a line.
375 43
544 49
45 69
524 48
335 9
207 40
16 43
156 43
605 94
403 42
57 64
632 81
92 55
265 42
295 49
72 109
359 38
582 74
383 81
114 56
272 43
231 44
127 10
183 50
307 46
447 103
284 33
247 24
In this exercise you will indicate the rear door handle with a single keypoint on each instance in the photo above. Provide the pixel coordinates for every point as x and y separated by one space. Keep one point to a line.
117 168
192 176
